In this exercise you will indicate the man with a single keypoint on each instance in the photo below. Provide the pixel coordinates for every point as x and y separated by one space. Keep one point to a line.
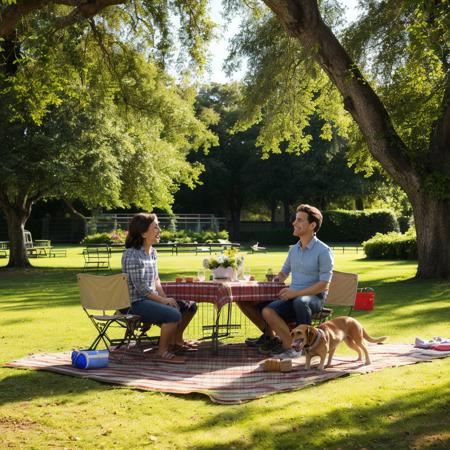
310 262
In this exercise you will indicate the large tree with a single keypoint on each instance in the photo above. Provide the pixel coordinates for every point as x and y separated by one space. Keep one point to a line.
85 116
400 99
403 114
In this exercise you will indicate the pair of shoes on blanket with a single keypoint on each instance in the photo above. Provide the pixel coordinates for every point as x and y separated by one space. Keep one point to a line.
169 357
437 343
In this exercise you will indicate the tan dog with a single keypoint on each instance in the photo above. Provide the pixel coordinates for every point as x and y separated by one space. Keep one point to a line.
327 336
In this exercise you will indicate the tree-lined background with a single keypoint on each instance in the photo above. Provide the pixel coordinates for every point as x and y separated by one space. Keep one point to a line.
340 116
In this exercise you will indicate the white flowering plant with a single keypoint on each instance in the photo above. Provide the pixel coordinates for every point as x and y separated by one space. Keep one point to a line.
229 258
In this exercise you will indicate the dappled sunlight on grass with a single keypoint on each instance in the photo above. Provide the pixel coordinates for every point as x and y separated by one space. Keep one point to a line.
394 408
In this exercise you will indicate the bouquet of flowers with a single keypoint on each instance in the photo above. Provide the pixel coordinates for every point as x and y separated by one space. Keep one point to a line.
229 258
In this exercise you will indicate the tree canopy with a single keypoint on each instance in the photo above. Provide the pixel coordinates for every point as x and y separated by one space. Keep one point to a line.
390 71
88 115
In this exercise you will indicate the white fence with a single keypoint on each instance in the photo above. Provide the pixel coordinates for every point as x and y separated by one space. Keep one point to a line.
193 222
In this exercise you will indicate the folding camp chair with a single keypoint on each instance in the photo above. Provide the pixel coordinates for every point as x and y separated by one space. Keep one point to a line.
342 292
102 297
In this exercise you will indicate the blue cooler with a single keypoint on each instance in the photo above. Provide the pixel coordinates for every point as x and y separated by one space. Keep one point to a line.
90 359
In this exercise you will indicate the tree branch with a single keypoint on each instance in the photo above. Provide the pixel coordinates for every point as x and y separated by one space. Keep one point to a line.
302 19
4 201
13 13
85 11
73 209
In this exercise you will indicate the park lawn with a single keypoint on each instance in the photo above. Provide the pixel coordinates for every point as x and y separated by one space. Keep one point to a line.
397 408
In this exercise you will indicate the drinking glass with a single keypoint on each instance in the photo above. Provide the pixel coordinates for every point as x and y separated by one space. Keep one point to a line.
247 273
201 275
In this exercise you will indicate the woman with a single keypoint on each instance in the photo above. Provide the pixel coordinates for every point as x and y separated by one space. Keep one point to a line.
148 300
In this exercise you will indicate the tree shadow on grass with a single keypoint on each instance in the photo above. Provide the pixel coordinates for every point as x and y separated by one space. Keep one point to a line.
406 421
40 288
26 385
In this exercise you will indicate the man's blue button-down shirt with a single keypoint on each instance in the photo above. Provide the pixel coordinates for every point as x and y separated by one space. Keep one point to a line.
309 265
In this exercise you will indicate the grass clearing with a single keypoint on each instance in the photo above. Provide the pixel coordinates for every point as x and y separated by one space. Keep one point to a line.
405 407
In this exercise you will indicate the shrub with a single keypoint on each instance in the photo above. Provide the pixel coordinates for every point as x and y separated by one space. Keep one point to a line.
97 238
113 237
391 246
356 226
188 236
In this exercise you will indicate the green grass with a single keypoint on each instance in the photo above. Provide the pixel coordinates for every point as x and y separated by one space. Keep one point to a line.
397 408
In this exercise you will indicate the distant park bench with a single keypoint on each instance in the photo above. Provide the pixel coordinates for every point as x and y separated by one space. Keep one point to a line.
197 247
97 256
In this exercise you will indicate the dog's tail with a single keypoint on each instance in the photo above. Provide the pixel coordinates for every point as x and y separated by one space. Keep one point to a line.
373 340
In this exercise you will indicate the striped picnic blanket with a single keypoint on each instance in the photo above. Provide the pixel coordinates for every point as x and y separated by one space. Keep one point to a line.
235 375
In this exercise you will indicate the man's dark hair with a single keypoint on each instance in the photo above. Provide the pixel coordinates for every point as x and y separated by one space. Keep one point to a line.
314 215
139 224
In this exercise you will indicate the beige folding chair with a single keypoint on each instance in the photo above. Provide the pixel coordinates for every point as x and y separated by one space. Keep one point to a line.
102 297
342 292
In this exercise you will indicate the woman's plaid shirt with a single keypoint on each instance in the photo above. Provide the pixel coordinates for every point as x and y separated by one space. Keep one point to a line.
142 271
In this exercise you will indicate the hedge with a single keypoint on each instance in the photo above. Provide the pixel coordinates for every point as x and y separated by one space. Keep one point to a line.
112 237
338 226
188 236
356 226
391 246
182 236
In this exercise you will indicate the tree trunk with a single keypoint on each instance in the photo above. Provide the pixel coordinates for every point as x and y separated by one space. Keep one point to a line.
359 203
273 213
235 222
432 219
16 219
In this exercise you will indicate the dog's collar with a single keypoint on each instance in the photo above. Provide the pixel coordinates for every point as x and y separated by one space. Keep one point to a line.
320 335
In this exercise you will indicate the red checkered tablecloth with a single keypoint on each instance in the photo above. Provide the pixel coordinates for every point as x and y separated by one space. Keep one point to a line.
221 293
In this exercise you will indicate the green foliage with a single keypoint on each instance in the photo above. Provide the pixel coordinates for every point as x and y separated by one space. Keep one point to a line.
356 226
112 237
438 185
188 236
102 125
404 48
337 226
391 246
284 89
238 177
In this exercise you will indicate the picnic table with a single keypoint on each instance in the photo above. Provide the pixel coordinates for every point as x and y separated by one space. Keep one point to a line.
39 247
220 294
4 246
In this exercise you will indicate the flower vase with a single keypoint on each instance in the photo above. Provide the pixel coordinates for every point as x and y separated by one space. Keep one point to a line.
221 273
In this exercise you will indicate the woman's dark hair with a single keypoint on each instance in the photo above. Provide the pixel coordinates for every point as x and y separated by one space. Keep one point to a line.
314 215
139 224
